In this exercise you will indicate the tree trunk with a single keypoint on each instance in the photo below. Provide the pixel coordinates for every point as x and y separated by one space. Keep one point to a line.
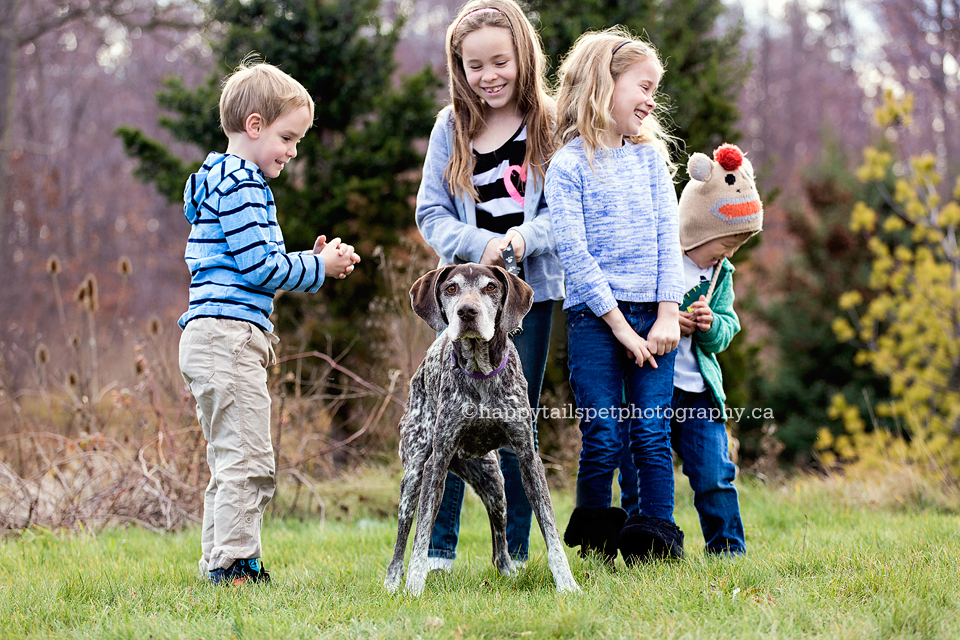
9 13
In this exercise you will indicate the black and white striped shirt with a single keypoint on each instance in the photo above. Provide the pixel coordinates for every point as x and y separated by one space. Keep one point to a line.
501 179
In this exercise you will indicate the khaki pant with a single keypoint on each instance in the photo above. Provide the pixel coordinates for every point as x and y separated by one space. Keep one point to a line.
224 362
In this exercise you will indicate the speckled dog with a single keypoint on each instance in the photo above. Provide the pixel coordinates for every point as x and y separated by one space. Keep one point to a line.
467 399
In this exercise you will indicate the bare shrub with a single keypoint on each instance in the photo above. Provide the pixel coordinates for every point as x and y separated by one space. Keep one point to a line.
140 456
139 463
398 338
767 465
65 483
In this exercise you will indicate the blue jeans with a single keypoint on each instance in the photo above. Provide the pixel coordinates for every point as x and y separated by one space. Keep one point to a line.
702 445
532 345
600 375
627 477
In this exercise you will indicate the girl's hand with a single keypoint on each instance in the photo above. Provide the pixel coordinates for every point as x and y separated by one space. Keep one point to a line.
664 335
688 323
637 348
519 246
491 254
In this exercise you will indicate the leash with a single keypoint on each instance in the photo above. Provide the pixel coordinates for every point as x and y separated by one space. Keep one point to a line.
481 376
510 262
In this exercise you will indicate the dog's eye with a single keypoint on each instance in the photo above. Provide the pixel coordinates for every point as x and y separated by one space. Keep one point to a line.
491 287
451 288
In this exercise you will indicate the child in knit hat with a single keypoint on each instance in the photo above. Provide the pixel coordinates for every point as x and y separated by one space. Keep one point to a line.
719 210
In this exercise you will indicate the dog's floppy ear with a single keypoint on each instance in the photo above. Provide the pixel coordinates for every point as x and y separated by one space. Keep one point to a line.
425 298
517 300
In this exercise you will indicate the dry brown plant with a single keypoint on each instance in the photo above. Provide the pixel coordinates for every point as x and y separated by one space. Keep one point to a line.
148 464
78 451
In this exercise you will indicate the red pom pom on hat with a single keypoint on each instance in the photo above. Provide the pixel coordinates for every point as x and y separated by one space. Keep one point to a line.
728 156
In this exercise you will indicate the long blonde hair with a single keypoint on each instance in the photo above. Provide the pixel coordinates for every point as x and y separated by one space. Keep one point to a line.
533 101
588 74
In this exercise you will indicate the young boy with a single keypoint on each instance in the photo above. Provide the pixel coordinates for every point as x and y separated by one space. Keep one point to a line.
237 263
719 210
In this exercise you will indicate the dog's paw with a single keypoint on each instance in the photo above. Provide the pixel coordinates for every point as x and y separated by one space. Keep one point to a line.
516 568
568 586
508 567
391 587
393 579
415 585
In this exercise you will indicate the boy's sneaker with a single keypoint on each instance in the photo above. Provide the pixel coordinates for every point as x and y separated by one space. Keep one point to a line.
241 572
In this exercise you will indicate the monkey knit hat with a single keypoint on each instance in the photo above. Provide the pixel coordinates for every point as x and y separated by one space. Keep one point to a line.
721 198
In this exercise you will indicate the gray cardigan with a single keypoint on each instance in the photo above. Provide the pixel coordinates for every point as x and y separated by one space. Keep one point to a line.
448 222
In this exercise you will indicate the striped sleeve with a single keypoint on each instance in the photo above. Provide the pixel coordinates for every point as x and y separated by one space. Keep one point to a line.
248 220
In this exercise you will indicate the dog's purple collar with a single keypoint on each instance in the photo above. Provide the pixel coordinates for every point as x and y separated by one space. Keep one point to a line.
481 376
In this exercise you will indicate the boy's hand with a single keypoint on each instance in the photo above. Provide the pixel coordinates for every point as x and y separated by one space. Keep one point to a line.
519 246
339 258
319 244
702 315
664 335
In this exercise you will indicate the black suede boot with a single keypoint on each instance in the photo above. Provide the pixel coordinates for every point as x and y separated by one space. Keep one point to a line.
595 531
646 538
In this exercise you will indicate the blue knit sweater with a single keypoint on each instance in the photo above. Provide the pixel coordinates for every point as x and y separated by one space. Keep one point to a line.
235 251
617 228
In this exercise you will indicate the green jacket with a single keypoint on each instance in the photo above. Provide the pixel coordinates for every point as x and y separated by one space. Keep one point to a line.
725 325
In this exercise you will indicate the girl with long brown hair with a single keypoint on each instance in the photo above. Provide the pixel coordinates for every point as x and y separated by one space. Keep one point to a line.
482 192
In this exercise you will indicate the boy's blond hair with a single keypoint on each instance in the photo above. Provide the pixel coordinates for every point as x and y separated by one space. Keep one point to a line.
258 87
587 75
533 101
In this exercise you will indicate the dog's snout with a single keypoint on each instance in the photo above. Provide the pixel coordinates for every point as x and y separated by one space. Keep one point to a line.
467 312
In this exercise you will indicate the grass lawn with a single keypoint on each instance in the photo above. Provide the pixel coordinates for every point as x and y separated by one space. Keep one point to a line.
820 565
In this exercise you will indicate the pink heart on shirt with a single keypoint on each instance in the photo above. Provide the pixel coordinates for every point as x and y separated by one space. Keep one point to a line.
521 170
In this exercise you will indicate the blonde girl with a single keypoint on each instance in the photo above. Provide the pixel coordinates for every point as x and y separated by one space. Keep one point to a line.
482 190
614 212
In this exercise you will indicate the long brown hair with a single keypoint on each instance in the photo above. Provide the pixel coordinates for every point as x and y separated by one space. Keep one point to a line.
588 74
533 101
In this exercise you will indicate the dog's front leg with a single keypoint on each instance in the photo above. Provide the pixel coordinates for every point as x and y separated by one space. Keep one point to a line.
431 493
538 494
409 496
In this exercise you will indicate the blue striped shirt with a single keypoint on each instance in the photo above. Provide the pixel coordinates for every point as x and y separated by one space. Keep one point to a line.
617 229
235 251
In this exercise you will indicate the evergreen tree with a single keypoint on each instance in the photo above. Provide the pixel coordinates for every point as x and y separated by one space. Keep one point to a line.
353 174
809 364
705 70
